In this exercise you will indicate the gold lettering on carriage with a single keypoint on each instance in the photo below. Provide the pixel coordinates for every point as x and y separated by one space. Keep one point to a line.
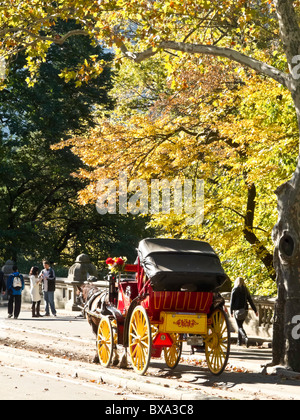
186 323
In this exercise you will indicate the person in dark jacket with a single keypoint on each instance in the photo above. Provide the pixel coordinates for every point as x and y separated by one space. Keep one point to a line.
48 278
15 287
240 297
2 283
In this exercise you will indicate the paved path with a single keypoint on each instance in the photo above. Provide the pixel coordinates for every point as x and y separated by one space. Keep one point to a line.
70 339
25 382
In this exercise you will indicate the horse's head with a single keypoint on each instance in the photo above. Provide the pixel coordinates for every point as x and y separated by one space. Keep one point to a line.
79 296
84 292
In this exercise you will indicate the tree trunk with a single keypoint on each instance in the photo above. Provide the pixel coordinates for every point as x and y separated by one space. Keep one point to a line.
259 248
286 236
278 326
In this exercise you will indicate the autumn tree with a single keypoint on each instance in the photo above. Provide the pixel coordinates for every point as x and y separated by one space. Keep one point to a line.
201 124
39 211
140 30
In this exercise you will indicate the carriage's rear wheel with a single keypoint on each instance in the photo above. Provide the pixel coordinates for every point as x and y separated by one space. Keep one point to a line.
217 342
140 340
173 353
105 342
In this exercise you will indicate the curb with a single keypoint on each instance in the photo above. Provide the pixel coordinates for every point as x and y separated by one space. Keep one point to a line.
156 387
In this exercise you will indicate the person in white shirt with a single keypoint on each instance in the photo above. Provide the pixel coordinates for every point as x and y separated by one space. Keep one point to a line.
35 292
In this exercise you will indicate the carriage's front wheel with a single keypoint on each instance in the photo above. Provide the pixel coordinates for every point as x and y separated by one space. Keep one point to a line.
140 340
217 342
105 342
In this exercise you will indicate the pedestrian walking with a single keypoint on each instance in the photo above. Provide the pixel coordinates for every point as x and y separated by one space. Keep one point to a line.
240 297
15 287
48 277
35 282
2 283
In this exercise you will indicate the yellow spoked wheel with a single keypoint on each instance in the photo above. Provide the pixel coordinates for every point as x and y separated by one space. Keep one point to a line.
140 340
105 342
173 353
217 342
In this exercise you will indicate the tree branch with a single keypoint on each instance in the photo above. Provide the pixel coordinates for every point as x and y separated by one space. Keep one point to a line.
60 40
262 68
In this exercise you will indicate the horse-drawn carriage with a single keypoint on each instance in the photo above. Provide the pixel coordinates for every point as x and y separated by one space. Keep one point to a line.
169 295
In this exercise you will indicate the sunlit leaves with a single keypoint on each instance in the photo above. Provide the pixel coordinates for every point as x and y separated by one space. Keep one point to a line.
188 116
133 26
205 121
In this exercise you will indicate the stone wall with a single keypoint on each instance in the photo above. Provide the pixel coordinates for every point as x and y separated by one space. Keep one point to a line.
65 292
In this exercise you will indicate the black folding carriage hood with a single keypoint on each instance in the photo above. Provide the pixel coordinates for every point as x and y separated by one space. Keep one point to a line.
181 265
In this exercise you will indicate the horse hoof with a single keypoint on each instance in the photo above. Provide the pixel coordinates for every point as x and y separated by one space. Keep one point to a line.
116 362
123 363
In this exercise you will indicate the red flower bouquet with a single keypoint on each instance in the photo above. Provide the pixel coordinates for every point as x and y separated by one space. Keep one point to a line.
116 265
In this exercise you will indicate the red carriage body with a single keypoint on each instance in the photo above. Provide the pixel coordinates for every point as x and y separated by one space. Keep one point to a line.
156 302
167 295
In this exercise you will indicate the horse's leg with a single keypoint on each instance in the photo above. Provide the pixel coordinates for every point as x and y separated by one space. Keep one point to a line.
95 331
96 359
124 363
116 358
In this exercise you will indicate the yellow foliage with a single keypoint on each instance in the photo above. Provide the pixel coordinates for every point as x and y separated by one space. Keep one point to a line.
229 131
208 119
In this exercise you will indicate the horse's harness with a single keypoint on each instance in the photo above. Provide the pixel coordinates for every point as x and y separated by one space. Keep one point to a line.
91 297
